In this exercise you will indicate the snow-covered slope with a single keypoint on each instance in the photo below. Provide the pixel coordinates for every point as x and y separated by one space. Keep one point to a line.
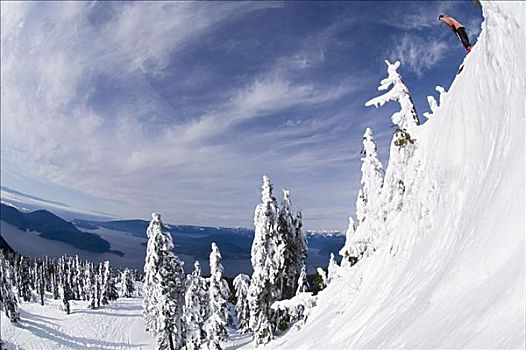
119 325
451 272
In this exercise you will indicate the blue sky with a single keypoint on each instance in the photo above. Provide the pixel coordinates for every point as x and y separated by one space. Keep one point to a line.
132 107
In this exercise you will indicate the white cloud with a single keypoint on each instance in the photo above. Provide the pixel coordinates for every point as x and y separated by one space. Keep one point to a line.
418 17
266 95
275 92
148 47
52 56
418 53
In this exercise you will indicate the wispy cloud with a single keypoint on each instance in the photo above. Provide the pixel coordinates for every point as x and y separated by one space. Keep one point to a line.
57 59
181 107
417 53
312 49
415 17
148 47
9 192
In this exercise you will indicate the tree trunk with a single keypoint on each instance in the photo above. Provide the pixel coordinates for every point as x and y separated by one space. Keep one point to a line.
170 341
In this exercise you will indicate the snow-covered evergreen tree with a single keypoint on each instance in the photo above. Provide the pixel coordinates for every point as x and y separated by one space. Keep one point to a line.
24 279
406 119
394 186
65 292
170 334
47 274
7 294
195 309
109 290
287 230
303 283
349 254
71 276
241 286
33 272
372 178
127 284
361 203
55 283
93 286
88 281
163 288
103 277
151 279
323 275
99 285
218 296
301 247
264 288
41 283
332 270
65 286
402 144
80 279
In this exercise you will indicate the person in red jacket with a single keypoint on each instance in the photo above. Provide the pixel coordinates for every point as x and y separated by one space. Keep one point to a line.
458 29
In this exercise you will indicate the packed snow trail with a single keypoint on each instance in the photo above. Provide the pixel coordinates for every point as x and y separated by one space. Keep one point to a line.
450 274
118 325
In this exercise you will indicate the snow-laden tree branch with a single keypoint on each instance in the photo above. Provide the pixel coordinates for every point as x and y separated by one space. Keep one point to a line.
406 118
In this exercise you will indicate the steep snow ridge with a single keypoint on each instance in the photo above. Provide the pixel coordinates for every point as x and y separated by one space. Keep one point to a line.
451 271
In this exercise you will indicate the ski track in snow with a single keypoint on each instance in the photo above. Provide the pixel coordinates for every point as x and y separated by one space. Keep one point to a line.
118 325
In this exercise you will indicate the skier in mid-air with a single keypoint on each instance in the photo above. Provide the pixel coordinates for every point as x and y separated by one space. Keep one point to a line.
458 29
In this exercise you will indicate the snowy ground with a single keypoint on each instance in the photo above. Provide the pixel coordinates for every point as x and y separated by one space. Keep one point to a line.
238 341
119 325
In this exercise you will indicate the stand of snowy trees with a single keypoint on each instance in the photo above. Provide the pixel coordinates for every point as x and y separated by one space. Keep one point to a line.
192 311
279 252
25 279
182 311
380 197
381 193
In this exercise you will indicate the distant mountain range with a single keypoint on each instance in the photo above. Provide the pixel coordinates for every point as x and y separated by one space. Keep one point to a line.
189 240
196 240
123 242
138 227
52 227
